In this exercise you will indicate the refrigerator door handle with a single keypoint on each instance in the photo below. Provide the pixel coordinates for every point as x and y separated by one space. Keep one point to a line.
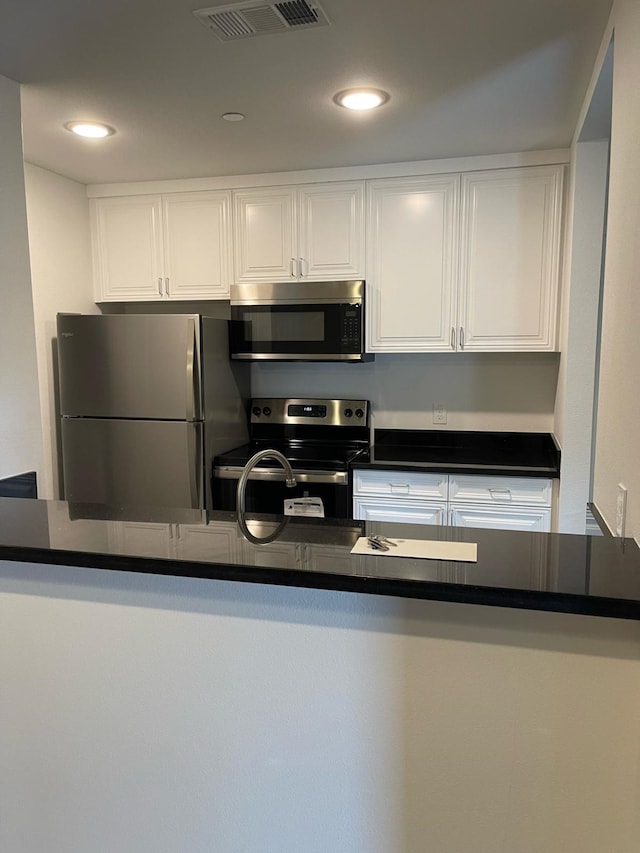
193 372
195 468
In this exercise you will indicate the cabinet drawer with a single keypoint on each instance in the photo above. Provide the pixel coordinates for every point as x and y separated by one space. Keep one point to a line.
500 517
521 491
401 512
391 484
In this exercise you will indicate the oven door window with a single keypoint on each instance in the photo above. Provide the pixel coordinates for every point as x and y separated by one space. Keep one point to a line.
294 329
262 496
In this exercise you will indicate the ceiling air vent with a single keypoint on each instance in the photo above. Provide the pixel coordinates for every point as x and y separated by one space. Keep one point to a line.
257 18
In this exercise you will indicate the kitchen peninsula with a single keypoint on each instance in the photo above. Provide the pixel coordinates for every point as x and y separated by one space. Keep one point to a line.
175 687
525 570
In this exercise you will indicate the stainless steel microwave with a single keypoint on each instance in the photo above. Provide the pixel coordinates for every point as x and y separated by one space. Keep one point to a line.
298 321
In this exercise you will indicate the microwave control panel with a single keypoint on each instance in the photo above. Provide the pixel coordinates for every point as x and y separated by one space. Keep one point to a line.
351 326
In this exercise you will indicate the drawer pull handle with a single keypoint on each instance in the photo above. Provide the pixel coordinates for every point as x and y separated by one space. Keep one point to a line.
398 488
500 492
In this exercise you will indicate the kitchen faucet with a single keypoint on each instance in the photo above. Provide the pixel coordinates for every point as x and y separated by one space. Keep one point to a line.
242 485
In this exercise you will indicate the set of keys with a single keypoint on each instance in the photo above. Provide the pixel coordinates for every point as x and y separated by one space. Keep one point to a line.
380 543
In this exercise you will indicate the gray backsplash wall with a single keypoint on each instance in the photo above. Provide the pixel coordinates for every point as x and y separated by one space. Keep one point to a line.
481 391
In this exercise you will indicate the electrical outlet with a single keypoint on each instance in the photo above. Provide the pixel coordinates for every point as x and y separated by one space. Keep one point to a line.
621 510
439 414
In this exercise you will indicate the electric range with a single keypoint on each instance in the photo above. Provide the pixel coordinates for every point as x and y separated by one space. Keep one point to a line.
320 438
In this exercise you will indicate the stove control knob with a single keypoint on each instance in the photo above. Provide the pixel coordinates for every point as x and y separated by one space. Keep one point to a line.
348 413
359 413
266 411
257 411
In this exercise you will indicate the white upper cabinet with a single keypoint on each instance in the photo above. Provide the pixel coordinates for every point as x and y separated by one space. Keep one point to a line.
311 233
265 236
509 259
127 247
331 232
465 262
411 240
197 245
152 247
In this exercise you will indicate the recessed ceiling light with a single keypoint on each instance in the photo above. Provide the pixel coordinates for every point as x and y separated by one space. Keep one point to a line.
361 99
233 116
90 129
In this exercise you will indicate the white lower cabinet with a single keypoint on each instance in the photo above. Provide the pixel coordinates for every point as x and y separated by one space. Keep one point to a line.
277 555
142 539
215 542
500 503
207 543
402 512
500 517
326 558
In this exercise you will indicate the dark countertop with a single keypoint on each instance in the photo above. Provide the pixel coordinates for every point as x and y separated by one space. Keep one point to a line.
523 454
597 576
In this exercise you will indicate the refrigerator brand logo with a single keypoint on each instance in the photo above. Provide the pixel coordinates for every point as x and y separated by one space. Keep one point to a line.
67 334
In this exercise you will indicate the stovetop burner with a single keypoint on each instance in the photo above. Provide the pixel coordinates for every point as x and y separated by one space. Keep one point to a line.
312 433
301 454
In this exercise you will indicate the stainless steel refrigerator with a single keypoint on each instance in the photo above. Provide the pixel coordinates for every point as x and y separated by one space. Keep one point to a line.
146 402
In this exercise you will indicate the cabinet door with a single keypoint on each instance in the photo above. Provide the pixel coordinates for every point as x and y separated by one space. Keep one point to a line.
265 234
411 242
327 558
510 258
216 542
500 517
142 539
402 512
127 248
398 484
197 245
277 555
331 231
522 491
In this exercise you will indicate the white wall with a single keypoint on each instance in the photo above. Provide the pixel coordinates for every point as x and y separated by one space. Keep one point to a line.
481 391
59 245
162 715
20 430
617 458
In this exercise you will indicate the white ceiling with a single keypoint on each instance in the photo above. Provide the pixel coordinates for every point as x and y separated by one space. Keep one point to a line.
465 77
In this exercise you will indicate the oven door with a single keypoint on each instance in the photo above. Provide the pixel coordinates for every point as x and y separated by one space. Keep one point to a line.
297 332
266 491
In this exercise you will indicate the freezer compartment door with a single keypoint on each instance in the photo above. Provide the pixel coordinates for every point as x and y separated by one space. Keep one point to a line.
130 366
152 463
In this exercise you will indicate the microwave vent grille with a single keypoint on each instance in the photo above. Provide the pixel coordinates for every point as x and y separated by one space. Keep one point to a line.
256 18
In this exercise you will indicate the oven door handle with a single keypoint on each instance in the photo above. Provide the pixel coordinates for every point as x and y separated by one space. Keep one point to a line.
337 478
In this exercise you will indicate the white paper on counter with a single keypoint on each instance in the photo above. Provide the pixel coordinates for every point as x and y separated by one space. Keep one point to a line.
425 549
